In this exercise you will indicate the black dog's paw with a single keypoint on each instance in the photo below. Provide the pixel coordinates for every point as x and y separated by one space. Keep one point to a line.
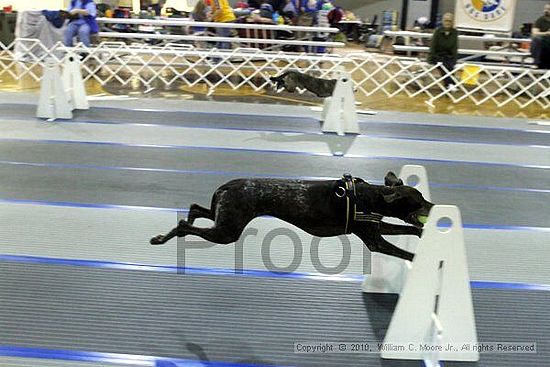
157 240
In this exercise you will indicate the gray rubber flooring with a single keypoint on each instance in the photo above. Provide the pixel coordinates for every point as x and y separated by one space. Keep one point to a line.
94 180
41 362
233 319
244 319
371 127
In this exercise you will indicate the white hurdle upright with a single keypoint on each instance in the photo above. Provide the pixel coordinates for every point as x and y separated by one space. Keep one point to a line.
60 93
53 102
339 115
388 273
434 317
74 85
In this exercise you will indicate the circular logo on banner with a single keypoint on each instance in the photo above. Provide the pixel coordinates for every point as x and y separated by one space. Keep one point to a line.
485 10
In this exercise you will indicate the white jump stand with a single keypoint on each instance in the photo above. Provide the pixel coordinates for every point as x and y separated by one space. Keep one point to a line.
53 102
60 93
388 273
74 85
435 306
339 115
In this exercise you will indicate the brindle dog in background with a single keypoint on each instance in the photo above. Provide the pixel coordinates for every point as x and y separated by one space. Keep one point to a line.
291 80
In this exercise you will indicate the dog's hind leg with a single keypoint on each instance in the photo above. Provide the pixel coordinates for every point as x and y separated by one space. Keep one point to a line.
397 229
229 222
223 232
163 238
197 211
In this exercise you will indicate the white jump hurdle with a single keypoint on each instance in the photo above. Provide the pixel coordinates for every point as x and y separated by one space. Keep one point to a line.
60 93
53 102
435 308
388 273
72 80
339 115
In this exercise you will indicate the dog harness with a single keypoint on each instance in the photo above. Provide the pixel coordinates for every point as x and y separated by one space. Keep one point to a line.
355 209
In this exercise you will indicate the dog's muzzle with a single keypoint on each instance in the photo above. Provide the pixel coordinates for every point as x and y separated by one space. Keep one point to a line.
412 219
418 218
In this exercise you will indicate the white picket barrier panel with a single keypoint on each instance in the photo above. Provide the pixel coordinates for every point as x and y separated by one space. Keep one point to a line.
373 74
388 273
339 115
434 317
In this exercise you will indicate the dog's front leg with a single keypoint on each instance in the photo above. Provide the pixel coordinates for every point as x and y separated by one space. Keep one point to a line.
371 236
398 229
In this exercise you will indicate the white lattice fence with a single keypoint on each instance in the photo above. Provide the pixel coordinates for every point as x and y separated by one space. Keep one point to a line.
373 74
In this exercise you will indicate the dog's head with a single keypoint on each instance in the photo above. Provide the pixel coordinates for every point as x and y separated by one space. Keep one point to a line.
278 80
404 202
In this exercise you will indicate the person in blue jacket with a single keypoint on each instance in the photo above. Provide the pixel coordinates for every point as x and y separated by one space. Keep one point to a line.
308 11
83 22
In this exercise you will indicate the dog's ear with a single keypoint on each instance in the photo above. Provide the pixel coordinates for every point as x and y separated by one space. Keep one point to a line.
390 198
392 180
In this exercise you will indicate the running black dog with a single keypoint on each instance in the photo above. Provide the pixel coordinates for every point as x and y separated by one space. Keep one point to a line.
291 80
321 208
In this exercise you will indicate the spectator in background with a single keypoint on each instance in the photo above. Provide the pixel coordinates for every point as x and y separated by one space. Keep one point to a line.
335 16
540 45
241 5
222 13
157 6
444 47
82 23
200 13
254 4
266 10
421 24
322 20
241 9
307 16
322 15
290 10
278 5
308 11
320 4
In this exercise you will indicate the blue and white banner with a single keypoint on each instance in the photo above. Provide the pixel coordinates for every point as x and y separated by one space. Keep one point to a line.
490 15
